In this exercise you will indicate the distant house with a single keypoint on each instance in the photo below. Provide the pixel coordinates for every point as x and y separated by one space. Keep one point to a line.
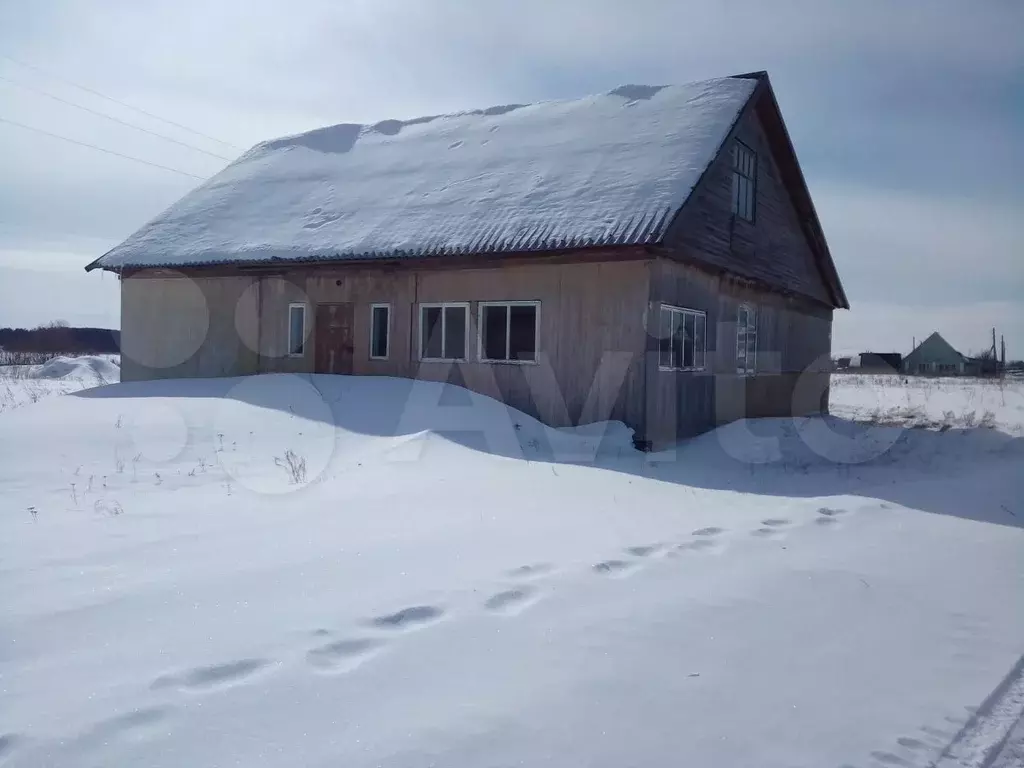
650 255
935 356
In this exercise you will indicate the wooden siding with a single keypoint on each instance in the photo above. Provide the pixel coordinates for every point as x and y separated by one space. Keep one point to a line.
793 346
773 248
175 326
591 319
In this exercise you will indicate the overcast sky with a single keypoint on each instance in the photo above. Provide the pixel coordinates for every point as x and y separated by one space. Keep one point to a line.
907 117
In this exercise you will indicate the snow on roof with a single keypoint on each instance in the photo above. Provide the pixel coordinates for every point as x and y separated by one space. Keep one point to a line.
606 169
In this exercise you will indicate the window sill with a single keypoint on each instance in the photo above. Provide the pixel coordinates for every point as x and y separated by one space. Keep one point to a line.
681 370
509 362
385 358
443 360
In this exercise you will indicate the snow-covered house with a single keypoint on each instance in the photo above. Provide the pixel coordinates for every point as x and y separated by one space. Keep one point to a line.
650 254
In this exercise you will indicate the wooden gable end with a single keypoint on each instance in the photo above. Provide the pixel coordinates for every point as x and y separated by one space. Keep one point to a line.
783 247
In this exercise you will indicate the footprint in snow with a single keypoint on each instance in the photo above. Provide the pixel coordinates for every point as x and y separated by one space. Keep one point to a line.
829 516
645 550
511 601
531 571
614 567
216 676
771 526
408 618
909 742
695 546
343 655
712 531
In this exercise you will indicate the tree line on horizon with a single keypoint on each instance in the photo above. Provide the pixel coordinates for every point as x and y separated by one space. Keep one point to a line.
29 346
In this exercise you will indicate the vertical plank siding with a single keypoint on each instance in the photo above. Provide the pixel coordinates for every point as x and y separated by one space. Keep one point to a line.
773 248
591 318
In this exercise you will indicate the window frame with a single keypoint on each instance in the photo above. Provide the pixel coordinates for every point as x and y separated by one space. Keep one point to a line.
508 331
749 367
739 148
387 340
305 328
673 308
442 305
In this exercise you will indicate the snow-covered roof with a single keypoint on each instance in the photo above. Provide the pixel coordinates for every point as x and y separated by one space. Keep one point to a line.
606 169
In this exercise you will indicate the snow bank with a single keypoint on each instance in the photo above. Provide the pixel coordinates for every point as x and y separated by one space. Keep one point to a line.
95 368
610 168
466 589
22 385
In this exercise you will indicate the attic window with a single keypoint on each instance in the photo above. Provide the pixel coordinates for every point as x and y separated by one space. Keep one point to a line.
744 180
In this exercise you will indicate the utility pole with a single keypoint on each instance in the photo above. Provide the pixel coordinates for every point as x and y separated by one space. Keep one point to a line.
1002 357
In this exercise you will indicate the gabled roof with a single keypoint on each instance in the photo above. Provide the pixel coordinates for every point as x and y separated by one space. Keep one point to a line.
935 344
610 169
613 169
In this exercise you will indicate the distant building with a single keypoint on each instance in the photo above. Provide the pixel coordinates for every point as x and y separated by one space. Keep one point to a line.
881 362
935 356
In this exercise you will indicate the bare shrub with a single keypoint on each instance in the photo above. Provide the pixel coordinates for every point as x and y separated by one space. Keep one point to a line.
294 465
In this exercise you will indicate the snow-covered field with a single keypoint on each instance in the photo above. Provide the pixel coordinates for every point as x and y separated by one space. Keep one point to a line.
23 384
312 571
932 402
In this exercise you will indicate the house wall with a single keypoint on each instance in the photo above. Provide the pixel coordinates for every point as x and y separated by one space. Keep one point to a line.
174 326
791 366
591 337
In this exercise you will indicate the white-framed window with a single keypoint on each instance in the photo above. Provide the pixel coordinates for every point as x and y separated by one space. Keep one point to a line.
444 331
744 180
296 330
509 331
746 339
380 331
682 334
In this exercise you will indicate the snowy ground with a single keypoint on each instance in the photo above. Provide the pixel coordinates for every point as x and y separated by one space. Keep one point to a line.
24 384
930 401
309 571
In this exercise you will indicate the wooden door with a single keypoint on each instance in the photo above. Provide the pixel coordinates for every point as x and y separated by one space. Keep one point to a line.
333 339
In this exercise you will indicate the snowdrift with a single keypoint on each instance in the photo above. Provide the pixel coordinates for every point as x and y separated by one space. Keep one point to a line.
296 570
91 367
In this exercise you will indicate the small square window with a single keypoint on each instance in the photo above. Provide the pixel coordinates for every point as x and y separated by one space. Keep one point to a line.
508 331
682 339
443 329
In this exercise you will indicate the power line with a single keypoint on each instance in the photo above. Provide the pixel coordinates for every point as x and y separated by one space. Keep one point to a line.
116 101
99 149
117 120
